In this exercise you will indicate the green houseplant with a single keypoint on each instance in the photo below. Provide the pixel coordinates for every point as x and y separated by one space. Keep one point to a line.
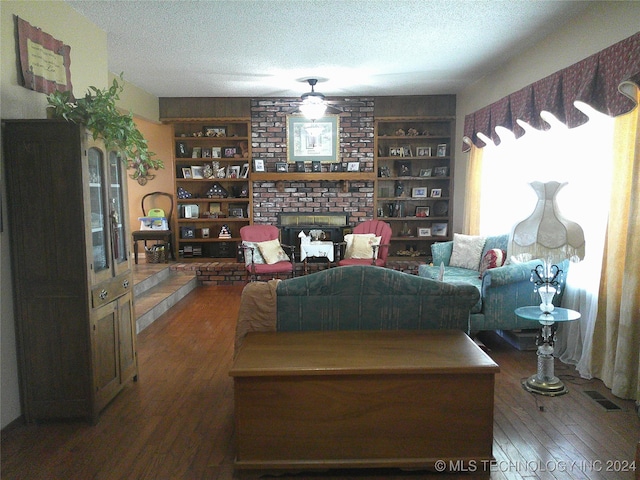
97 111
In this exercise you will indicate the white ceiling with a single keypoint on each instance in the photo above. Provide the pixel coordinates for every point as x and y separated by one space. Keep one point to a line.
263 48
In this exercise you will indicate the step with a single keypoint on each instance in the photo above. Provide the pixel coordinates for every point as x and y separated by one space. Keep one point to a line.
156 294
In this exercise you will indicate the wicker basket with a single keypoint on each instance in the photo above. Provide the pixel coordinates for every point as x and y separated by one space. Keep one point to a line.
155 254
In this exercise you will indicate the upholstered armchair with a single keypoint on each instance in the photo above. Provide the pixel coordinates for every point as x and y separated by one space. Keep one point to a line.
363 247
263 252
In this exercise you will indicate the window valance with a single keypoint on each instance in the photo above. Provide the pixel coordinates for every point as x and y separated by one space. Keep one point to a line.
605 81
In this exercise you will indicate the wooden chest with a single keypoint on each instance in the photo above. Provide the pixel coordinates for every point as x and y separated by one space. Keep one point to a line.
362 399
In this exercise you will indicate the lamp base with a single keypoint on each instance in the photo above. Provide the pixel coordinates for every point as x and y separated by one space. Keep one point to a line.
550 388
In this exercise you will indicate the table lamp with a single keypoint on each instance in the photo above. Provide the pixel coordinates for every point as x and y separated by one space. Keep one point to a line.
547 235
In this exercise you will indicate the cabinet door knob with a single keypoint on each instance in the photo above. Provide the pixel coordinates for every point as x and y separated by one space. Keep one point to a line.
103 294
125 284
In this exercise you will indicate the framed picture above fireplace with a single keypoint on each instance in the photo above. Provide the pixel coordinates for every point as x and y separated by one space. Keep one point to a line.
313 140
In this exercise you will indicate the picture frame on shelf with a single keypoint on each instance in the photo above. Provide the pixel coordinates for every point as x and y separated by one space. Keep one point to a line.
281 167
216 152
244 173
424 211
196 152
336 167
206 153
423 151
426 172
384 172
197 172
300 166
186 173
440 171
424 231
353 167
439 229
236 212
436 192
313 140
395 151
229 152
419 192
403 169
205 232
406 151
234 171
215 208
258 165
442 150
316 166
208 131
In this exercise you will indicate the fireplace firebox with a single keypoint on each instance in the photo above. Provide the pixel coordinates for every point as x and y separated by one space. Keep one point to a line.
334 226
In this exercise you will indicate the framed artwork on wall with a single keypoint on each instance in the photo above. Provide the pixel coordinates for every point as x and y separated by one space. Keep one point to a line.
312 140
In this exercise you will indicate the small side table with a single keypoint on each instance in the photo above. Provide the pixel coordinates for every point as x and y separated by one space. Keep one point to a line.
316 250
544 381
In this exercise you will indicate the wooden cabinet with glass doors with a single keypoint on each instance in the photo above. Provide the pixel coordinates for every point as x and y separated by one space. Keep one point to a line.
72 280
414 182
213 189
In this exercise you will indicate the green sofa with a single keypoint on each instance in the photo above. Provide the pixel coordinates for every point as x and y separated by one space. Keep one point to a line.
501 289
354 298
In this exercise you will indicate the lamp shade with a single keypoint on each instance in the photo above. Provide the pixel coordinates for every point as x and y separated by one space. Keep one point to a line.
546 234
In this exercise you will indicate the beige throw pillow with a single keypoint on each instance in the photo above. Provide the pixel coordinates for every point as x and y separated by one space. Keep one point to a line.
272 252
360 245
467 251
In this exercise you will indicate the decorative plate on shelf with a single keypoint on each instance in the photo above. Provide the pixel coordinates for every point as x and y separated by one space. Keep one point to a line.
440 208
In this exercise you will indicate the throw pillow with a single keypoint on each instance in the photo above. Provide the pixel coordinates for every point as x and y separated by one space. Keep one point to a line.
255 251
272 252
467 251
492 259
360 245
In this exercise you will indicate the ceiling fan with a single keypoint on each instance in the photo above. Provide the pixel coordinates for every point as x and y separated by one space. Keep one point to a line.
314 105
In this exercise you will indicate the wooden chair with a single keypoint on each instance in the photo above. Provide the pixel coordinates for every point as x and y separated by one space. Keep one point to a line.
380 252
163 236
255 264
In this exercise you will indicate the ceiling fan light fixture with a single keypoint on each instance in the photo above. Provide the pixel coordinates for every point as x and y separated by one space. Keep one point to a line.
313 105
313 110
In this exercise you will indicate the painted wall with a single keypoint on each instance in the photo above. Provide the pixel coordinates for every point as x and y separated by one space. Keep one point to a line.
602 24
160 140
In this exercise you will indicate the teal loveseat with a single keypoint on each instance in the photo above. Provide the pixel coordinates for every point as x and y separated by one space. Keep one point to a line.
356 297
502 289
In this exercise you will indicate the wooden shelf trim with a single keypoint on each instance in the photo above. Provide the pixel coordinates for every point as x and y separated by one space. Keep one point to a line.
311 176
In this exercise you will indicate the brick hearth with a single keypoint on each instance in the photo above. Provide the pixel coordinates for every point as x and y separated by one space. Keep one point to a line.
231 273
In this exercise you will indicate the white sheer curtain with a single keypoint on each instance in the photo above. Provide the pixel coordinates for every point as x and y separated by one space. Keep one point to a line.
581 157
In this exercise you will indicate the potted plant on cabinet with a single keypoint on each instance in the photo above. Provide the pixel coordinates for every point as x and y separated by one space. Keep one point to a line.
98 112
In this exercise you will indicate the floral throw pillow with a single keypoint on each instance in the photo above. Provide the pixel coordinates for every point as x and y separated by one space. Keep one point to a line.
467 251
492 259
272 252
255 251
360 245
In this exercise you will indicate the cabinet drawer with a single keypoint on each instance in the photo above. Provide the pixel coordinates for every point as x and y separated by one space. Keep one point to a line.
110 290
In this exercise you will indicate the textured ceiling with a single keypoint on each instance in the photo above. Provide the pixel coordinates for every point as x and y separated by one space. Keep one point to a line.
263 48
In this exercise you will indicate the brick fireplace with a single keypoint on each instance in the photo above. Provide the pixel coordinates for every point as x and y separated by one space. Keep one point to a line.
270 199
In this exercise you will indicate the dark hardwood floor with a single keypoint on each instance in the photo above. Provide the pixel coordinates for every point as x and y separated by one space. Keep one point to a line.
176 422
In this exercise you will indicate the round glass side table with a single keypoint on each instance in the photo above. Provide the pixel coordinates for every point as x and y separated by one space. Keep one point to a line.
544 381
